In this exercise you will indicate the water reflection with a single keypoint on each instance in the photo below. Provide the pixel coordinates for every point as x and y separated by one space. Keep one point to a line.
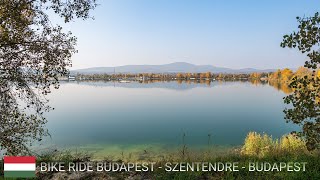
284 87
187 84
106 114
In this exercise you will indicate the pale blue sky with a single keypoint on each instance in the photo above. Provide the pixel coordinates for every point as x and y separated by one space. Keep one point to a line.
234 34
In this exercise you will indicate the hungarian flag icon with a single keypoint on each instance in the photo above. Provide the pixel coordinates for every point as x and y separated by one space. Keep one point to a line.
19 166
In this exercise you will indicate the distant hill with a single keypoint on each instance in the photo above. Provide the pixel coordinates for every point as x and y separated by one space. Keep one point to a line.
166 68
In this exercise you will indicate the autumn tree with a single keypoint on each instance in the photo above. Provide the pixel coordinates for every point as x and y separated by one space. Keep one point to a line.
286 75
188 75
303 71
305 103
202 75
180 76
208 75
220 76
33 54
255 75
275 75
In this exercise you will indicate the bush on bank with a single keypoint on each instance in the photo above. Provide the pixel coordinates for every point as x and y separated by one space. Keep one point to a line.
261 145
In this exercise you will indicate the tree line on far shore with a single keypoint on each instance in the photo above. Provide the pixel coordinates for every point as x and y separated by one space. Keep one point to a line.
283 76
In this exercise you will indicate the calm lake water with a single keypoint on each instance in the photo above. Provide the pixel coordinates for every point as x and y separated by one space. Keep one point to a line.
105 117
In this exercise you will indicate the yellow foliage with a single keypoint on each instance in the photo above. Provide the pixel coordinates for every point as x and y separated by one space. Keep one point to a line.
276 75
286 75
179 75
262 145
257 145
208 74
302 71
292 143
255 75
285 88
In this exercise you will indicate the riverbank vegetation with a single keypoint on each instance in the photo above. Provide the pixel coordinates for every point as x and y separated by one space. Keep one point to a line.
281 75
279 79
165 76
257 148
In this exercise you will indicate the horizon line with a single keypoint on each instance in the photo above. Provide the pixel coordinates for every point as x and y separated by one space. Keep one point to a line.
275 68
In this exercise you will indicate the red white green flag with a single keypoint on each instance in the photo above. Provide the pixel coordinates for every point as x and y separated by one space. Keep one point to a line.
19 166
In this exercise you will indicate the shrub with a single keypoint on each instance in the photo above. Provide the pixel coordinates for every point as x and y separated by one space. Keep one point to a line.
292 144
257 145
262 145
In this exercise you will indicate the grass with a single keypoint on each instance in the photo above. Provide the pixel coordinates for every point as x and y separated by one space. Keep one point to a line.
257 148
312 169
260 148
